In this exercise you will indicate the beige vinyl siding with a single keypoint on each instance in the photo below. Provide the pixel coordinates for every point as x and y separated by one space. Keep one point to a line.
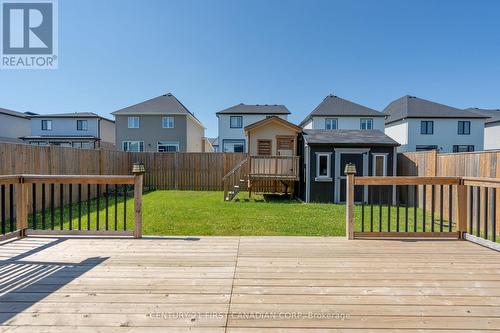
195 136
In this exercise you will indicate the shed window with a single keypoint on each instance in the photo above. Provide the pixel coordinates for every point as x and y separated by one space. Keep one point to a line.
323 162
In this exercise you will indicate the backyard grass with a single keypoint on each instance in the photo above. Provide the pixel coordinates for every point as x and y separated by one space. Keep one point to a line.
205 213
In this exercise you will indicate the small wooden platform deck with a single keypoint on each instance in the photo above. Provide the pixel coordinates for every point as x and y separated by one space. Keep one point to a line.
247 284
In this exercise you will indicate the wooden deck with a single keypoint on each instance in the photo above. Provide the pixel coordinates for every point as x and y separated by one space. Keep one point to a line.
266 284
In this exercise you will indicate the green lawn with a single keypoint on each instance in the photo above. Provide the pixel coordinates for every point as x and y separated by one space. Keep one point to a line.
205 213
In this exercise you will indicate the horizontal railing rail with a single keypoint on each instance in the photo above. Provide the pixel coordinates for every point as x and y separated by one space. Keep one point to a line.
72 205
274 166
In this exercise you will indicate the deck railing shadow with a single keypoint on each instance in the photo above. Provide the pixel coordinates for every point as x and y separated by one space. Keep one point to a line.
24 282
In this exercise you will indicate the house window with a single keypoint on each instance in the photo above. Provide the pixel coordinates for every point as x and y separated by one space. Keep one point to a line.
463 148
167 122
366 123
133 122
464 127
133 146
331 124
323 162
264 147
46 125
379 165
236 121
426 127
425 147
233 146
168 146
82 125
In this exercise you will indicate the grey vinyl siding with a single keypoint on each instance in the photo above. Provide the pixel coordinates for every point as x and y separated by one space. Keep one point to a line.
151 131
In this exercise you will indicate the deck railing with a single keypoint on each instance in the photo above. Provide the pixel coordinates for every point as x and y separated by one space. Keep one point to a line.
405 207
482 213
71 205
274 166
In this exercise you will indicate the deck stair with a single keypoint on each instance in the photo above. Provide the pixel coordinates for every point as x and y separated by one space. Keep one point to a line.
236 180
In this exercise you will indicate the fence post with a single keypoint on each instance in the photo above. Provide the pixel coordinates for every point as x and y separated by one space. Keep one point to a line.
22 207
138 171
462 210
350 171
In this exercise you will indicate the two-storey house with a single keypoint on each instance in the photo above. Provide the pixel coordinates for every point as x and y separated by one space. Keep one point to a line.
233 120
419 125
491 127
78 130
14 125
338 132
160 124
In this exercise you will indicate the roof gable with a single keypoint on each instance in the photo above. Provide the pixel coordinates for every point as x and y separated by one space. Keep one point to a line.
338 107
265 109
414 107
164 104
273 120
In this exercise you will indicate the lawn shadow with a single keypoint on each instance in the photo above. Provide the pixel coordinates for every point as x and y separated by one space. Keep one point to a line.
23 283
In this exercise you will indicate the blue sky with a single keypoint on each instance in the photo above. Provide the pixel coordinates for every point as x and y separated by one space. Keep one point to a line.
214 54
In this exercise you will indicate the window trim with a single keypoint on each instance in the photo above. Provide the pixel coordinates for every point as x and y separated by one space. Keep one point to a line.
463 122
133 117
168 143
421 149
134 141
427 122
82 121
163 122
468 148
47 121
332 119
368 120
235 117
242 141
374 165
328 176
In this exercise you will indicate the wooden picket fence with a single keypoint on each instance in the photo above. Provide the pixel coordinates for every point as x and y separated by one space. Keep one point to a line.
180 171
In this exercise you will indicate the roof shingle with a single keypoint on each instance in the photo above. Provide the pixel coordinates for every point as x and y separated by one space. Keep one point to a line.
349 137
255 109
414 107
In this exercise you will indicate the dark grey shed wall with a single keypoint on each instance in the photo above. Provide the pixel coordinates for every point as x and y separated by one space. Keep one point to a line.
321 191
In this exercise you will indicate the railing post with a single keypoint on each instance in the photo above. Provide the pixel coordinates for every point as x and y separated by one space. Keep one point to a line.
462 210
350 171
22 207
138 171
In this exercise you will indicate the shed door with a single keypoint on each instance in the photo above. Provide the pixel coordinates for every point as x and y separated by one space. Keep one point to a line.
357 160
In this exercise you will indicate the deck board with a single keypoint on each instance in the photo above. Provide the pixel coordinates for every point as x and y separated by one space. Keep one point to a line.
247 284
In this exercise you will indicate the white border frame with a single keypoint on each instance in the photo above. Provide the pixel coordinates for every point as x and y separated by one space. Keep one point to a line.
338 152
138 122
138 141
328 177
374 156
163 123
